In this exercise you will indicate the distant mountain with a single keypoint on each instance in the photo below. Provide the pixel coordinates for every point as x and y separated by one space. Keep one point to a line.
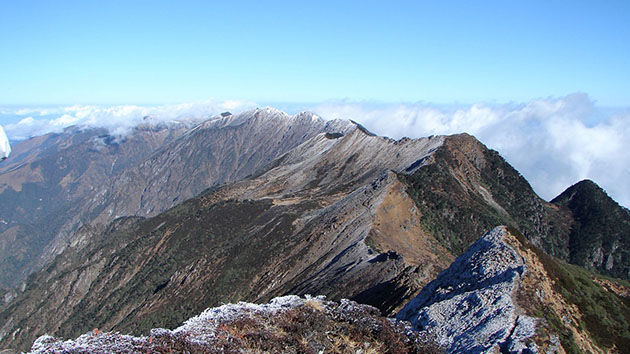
44 181
293 205
600 232
53 184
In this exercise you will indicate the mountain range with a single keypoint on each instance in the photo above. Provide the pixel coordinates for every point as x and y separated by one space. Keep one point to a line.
130 233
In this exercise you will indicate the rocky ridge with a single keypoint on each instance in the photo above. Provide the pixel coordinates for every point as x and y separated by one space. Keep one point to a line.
285 324
345 214
54 184
302 226
470 307
506 294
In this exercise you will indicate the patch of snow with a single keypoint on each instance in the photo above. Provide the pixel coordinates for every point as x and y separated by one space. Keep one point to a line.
5 147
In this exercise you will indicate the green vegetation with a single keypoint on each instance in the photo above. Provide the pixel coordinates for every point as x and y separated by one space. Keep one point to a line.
225 237
450 196
605 315
601 231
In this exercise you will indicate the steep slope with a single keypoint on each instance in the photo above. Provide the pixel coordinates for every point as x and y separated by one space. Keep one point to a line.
506 294
301 226
470 306
218 151
46 177
468 188
344 213
600 232
52 185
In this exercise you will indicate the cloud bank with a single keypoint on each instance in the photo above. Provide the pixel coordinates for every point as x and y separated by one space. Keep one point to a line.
119 120
553 142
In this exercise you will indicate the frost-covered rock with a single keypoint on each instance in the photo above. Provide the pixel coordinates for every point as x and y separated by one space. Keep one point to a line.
290 324
5 148
470 306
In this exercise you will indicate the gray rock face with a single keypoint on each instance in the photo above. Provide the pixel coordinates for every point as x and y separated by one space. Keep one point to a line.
470 307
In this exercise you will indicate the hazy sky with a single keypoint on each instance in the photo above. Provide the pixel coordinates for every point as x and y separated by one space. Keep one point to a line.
113 52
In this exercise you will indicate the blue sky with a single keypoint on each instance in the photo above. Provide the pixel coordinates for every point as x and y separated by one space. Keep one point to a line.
154 52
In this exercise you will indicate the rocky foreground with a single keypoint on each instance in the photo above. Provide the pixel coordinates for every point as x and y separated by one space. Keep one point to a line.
489 300
470 307
288 324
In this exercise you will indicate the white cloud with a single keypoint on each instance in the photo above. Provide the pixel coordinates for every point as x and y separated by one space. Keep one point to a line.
119 120
552 142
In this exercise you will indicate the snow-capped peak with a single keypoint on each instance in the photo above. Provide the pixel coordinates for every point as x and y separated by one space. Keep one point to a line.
5 148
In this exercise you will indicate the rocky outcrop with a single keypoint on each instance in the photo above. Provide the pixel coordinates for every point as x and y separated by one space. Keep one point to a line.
470 307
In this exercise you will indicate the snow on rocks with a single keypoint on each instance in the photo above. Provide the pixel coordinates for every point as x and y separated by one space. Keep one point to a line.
5 148
286 324
199 330
202 327
469 307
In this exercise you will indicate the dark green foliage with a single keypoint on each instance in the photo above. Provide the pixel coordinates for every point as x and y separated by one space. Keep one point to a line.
455 211
605 315
600 232
333 135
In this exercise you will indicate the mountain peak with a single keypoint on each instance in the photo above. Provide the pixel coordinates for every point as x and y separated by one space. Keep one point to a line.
599 235
583 188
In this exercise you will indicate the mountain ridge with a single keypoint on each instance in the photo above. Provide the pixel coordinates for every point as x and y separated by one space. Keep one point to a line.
122 176
342 213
